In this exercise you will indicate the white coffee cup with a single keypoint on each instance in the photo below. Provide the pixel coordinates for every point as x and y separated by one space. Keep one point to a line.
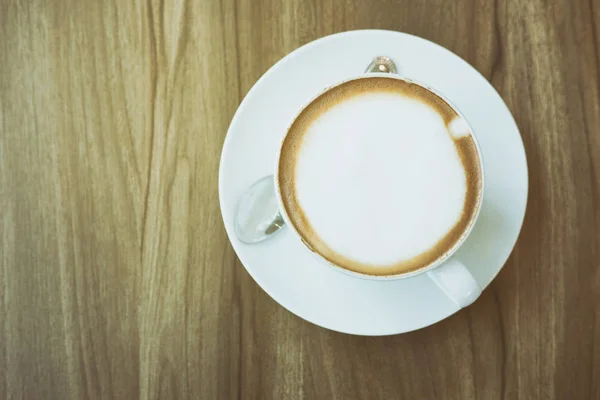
448 272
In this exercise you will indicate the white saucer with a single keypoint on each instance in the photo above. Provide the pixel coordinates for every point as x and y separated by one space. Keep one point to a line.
284 268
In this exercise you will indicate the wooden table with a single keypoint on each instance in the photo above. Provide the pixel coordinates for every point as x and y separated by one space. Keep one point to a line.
117 280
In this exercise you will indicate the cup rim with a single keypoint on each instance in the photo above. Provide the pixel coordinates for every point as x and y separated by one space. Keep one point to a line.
403 275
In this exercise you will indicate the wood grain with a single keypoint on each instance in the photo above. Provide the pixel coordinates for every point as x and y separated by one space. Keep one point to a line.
117 280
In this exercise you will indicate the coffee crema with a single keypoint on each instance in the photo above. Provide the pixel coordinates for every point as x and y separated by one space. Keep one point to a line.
380 176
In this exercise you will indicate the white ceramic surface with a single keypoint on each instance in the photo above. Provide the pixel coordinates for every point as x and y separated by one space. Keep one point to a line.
301 282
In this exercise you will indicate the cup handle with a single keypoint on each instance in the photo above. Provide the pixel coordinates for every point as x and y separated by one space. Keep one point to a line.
456 281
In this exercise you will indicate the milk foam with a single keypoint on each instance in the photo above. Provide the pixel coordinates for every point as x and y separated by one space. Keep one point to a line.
379 177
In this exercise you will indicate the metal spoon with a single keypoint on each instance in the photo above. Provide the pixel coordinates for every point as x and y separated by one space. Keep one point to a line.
258 216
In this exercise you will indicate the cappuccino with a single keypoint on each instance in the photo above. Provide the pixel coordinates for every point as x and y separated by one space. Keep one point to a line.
380 176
